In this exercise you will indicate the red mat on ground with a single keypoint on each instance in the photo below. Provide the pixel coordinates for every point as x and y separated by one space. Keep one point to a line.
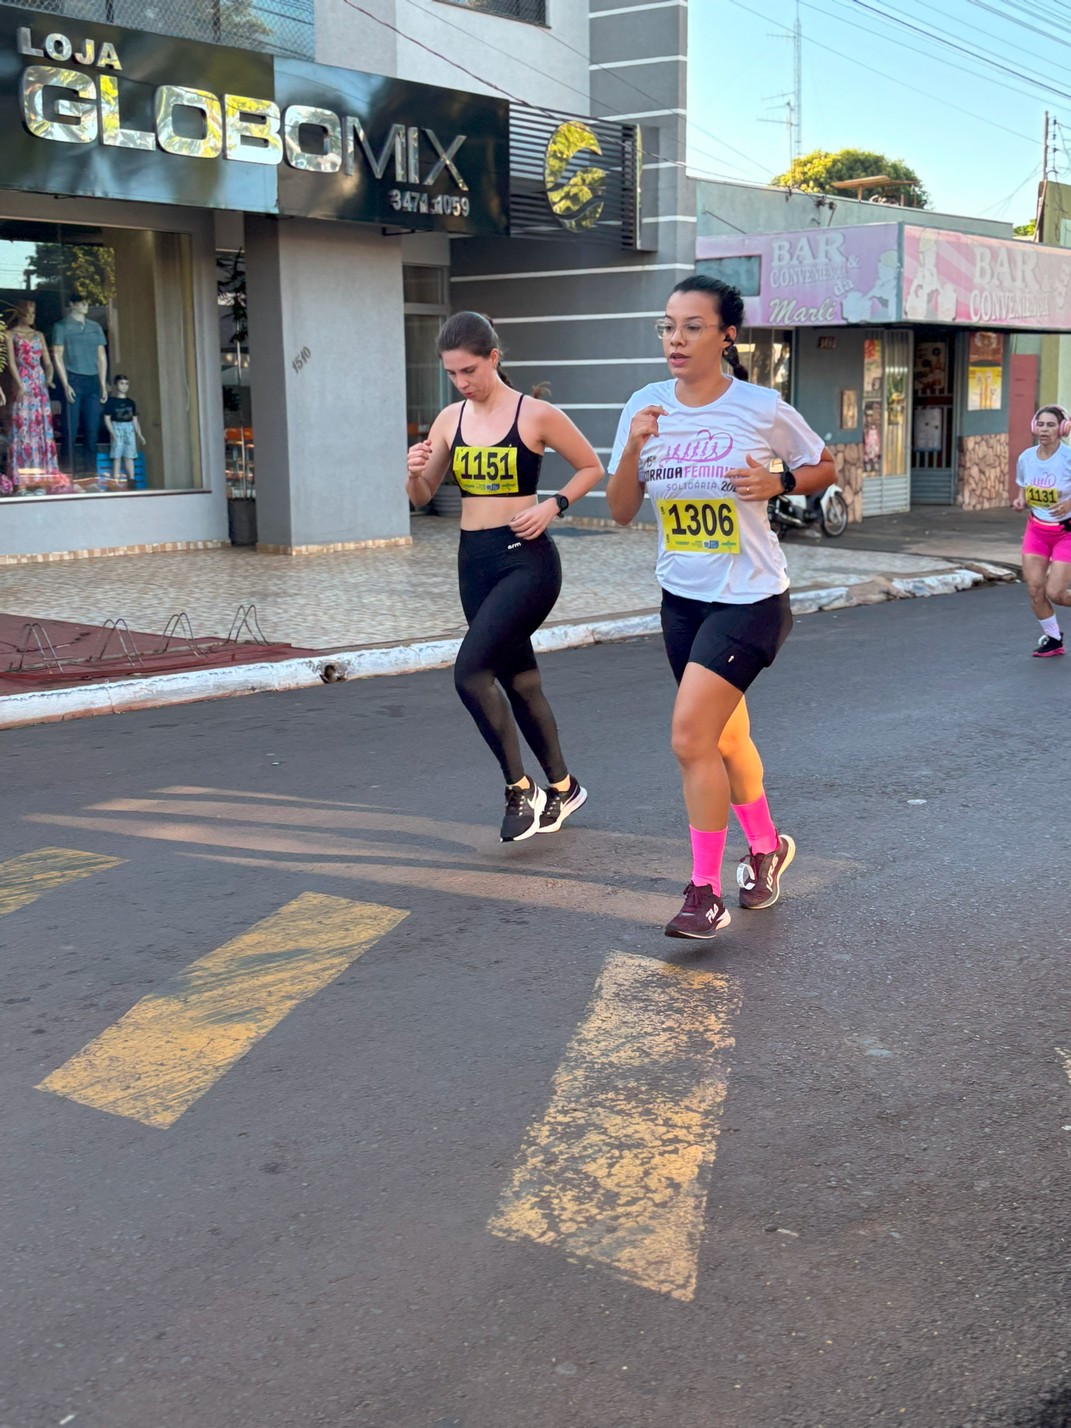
54 653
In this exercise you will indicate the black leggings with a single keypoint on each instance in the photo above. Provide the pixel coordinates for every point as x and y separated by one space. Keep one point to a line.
508 588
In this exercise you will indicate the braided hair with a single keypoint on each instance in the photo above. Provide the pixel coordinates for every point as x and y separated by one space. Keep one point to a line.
471 332
730 309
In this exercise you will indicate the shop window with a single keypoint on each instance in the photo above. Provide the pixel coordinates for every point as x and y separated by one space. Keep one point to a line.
425 286
766 352
283 27
425 290
99 381
742 273
532 12
235 375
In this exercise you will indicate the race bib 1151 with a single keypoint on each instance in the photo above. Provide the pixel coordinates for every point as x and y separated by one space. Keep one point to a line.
486 470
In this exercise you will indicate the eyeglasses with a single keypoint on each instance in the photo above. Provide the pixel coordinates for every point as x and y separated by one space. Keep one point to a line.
688 330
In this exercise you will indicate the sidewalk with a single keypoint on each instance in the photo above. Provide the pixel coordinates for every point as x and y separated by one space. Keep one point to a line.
947 532
394 609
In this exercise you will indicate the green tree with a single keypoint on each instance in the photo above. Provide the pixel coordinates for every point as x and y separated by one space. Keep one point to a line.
817 171
85 268
1025 230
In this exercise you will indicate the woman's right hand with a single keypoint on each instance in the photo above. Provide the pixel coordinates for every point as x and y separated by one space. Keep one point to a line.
419 456
1019 504
643 426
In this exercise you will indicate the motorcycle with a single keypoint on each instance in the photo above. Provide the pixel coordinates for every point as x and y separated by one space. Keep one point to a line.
827 509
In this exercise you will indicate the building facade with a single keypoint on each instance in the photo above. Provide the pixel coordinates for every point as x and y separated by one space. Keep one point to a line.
908 339
262 215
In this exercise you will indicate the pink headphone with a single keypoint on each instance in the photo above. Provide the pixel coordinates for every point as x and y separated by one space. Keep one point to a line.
1065 424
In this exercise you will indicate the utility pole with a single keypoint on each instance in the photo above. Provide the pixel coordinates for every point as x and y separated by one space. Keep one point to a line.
793 102
797 78
1039 214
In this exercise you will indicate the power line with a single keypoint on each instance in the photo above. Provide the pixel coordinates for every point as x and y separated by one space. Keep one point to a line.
884 73
490 84
958 48
628 83
1029 92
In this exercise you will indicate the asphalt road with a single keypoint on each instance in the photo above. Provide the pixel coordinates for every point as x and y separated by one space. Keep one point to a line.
378 1211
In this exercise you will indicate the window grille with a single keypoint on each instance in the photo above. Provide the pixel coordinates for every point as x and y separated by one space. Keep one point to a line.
282 27
532 12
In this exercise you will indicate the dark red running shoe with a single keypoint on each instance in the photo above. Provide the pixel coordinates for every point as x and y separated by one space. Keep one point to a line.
758 875
703 913
1046 647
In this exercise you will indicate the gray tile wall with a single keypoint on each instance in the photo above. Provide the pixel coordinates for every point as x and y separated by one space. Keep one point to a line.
581 315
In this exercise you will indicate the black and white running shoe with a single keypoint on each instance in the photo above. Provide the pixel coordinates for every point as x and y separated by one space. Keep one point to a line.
560 804
523 809
1046 647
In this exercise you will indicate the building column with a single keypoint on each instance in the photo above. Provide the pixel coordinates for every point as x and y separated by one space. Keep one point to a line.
327 356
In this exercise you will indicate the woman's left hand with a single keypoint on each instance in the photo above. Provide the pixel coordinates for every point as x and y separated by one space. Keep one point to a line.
1063 510
534 520
754 482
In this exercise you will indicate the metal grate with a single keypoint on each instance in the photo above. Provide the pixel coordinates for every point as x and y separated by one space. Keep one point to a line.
282 27
532 12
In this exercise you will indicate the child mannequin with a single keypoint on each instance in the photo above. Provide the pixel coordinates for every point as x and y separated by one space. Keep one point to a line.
121 419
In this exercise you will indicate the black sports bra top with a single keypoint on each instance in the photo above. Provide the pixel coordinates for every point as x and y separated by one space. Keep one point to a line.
509 469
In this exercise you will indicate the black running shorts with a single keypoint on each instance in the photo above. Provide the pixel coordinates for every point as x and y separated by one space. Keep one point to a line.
735 641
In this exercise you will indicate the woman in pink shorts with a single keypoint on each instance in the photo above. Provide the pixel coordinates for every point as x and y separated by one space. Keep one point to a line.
1043 475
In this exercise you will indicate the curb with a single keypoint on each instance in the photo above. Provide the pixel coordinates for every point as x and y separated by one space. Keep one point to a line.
155 691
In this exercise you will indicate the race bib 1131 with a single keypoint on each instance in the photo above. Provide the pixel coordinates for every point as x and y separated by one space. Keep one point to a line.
1042 496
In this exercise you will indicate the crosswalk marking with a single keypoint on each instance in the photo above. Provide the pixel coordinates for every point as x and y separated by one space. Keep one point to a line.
617 1170
29 876
174 1044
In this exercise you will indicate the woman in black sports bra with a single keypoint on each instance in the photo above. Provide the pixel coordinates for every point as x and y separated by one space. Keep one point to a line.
508 567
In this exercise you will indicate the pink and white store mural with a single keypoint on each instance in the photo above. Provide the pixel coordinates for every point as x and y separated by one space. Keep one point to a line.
990 282
893 272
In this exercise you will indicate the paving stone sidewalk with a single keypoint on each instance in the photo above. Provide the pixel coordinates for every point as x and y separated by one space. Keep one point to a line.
393 595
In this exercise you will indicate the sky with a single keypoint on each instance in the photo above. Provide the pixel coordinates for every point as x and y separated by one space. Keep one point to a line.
973 133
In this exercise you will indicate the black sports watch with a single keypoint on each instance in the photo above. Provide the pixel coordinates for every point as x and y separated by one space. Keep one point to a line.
788 482
563 503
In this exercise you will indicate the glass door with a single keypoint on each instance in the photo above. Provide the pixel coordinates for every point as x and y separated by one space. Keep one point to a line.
886 414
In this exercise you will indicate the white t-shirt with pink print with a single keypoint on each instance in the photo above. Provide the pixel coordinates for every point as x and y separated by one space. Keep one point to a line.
711 544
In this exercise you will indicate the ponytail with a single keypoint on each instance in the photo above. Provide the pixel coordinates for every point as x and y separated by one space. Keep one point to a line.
740 372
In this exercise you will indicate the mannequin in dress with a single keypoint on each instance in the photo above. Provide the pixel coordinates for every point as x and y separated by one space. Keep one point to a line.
31 457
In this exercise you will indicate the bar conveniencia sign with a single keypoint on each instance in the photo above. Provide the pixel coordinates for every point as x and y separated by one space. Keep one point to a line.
112 113
893 272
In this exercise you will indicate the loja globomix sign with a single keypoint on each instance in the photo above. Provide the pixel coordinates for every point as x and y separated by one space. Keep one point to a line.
117 113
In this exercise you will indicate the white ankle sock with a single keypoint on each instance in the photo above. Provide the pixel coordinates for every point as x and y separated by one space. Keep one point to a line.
1050 627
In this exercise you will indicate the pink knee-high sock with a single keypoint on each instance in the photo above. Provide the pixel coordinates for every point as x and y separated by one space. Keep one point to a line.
707 850
757 824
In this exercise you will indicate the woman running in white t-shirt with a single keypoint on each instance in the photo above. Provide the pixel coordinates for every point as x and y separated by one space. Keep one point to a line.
700 445
1043 475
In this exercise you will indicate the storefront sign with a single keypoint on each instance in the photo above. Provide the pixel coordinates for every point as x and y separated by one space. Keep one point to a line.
988 282
101 111
894 272
822 277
